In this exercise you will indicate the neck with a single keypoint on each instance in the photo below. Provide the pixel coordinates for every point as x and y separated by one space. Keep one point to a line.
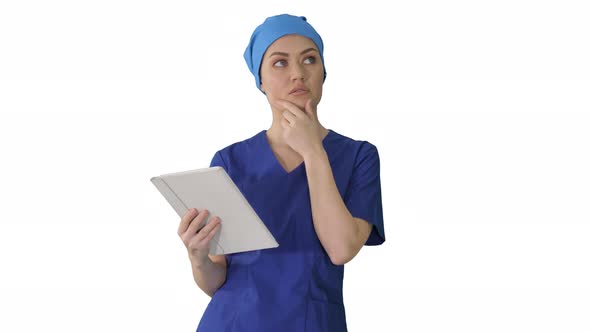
275 132
275 135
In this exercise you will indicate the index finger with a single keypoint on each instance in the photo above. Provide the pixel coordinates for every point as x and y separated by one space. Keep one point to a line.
291 107
185 221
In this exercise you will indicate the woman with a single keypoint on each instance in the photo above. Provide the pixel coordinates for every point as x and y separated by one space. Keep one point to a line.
317 191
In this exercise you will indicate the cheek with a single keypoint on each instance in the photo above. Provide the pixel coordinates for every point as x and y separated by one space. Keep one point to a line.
274 84
318 85
272 90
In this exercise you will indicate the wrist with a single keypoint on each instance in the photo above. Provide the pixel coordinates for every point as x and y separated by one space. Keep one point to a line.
199 261
316 153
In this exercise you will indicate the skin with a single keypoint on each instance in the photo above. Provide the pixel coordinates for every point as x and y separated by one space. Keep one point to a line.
209 271
295 136
290 62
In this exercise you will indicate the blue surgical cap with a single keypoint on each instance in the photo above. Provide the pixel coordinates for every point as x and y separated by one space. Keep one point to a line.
273 28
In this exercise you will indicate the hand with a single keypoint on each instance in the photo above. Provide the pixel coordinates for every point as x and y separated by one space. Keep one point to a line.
302 130
197 240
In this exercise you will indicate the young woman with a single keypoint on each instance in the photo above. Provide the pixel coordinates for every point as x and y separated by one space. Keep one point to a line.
317 191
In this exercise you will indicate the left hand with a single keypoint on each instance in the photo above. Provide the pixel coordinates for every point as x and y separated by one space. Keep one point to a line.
302 130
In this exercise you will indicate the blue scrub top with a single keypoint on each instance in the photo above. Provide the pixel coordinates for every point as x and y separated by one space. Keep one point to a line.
294 287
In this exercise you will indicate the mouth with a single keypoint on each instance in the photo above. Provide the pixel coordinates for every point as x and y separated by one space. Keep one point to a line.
299 91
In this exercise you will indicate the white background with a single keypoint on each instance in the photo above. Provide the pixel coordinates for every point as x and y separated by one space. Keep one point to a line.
480 111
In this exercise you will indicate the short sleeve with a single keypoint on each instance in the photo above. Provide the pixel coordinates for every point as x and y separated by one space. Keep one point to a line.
217 161
363 196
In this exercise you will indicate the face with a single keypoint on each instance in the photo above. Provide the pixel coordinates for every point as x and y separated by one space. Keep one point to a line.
292 70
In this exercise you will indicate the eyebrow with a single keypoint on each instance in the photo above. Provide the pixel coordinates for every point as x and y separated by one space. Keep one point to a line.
287 54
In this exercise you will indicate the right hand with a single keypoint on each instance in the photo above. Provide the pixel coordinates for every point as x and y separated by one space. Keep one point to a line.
197 242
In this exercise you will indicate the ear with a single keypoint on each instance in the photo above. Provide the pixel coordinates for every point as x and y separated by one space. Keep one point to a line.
262 87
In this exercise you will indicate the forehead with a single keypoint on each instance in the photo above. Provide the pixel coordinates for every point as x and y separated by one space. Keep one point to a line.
291 43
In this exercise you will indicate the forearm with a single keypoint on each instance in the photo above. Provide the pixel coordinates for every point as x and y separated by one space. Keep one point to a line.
333 223
208 275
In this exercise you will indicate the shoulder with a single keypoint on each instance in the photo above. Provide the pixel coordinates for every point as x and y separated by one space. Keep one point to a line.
235 152
241 146
360 149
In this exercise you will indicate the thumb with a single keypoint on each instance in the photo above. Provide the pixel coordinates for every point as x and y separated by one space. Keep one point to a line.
309 108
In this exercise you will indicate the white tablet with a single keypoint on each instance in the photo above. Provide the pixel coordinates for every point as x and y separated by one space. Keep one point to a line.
212 189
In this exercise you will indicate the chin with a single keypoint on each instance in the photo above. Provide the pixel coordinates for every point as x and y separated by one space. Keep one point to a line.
300 103
300 100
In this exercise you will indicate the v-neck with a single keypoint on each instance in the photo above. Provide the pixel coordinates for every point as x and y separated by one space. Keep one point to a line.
276 161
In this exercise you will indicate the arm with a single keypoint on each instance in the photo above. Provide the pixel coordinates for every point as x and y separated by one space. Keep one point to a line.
210 273
341 235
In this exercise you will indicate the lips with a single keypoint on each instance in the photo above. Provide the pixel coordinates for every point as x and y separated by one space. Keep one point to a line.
299 90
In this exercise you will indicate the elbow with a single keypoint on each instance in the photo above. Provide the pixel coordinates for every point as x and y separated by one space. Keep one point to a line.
344 248
211 290
209 293
339 260
340 257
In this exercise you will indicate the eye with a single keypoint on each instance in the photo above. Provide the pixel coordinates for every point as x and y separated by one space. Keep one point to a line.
310 60
280 63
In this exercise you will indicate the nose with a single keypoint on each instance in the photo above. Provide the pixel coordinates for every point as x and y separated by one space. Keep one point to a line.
297 72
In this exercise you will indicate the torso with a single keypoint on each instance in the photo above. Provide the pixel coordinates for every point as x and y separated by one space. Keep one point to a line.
294 287
288 158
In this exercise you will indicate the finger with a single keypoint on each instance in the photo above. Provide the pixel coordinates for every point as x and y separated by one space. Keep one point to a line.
205 234
197 222
202 243
211 234
290 117
309 109
206 230
285 124
291 107
185 221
